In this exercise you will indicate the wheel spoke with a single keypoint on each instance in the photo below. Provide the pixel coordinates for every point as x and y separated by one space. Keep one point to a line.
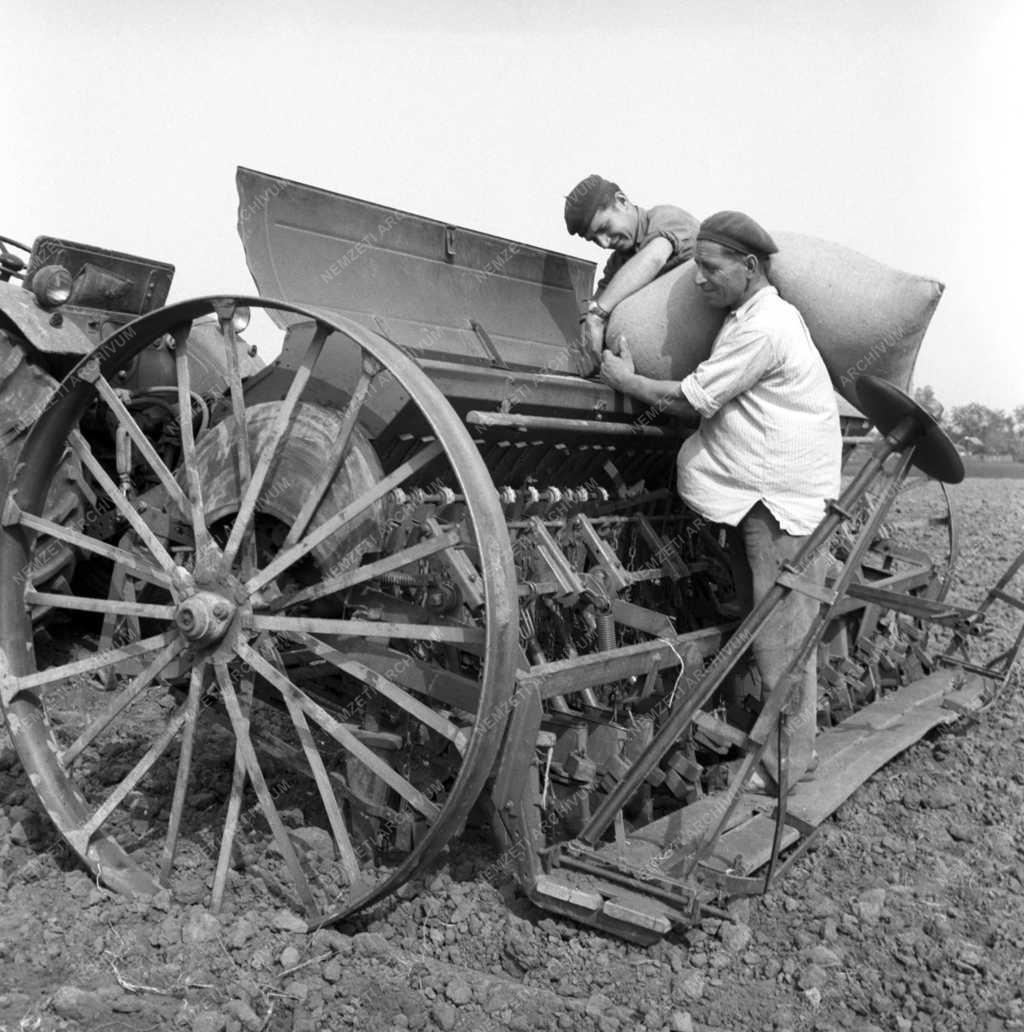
80 837
142 442
341 734
240 724
242 437
270 451
234 811
388 564
204 543
456 634
349 864
81 604
351 511
124 507
339 449
387 688
131 563
188 734
119 702
91 663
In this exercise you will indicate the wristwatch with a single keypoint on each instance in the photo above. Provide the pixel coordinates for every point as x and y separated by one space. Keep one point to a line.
596 308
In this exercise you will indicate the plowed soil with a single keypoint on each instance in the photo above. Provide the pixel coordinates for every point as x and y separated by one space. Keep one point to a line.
909 915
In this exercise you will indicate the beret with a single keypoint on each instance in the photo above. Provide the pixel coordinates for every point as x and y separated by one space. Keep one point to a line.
736 231
584 200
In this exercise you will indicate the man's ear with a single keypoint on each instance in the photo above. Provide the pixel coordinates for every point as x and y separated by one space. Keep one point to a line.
621 200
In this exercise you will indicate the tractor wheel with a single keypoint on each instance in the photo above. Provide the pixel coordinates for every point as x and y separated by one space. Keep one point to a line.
311 649
24 391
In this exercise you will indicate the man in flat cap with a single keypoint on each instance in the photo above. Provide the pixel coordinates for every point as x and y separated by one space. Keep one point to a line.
768 450
645 242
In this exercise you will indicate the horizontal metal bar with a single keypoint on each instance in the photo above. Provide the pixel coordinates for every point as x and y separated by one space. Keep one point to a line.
570 675
598 521
512 421
115 607
683 904
922 608
793 581
456 634
903 581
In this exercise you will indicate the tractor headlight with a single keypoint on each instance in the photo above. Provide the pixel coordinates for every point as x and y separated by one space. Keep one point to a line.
51 285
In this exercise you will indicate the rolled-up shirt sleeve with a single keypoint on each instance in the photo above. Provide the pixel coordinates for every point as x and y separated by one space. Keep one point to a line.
734 365
678 227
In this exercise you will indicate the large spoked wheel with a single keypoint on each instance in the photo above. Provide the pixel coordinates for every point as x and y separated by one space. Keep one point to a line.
274 597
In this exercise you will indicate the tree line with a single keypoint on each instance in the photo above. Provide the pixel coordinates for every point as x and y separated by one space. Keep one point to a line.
976 429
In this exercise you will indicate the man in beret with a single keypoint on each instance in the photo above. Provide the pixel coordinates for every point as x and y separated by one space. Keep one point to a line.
645 242
768 451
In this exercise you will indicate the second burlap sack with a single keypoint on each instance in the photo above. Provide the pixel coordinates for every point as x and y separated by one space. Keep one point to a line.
864 317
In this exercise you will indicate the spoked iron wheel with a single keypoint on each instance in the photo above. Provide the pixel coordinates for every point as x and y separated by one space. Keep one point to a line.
281 596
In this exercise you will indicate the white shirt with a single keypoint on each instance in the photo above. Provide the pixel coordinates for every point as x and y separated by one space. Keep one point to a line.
769 427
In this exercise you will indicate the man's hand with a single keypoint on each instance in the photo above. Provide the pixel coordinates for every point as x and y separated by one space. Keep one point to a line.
616 369
593 337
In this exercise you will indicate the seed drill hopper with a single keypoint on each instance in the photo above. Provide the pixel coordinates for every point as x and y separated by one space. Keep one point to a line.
415 571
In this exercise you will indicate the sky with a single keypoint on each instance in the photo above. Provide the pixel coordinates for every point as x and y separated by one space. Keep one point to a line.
891 127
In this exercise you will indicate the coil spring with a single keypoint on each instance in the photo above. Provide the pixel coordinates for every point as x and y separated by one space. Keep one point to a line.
527 625
606 632
401 580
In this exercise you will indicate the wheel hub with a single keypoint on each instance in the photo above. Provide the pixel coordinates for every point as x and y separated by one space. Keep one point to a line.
204 617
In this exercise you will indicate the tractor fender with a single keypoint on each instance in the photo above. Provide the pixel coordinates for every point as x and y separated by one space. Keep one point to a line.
207 359
42 329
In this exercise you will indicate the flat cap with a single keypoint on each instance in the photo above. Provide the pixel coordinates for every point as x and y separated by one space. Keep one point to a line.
736 231
584 200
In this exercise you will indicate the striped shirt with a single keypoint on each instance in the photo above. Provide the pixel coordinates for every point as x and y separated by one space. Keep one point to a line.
769 427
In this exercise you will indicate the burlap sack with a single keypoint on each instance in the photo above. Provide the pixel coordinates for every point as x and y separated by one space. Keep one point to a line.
863 316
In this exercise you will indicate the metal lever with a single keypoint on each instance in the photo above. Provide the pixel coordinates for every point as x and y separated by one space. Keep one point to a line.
485 339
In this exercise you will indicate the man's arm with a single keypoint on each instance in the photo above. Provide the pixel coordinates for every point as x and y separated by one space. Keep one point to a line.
619 372
635 273
627 279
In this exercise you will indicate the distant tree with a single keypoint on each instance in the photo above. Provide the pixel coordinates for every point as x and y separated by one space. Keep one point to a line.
977 429
1017 421
999 437
925 397
969 421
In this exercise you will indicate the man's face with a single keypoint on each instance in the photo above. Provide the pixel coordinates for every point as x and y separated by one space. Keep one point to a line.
614 227
722 275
